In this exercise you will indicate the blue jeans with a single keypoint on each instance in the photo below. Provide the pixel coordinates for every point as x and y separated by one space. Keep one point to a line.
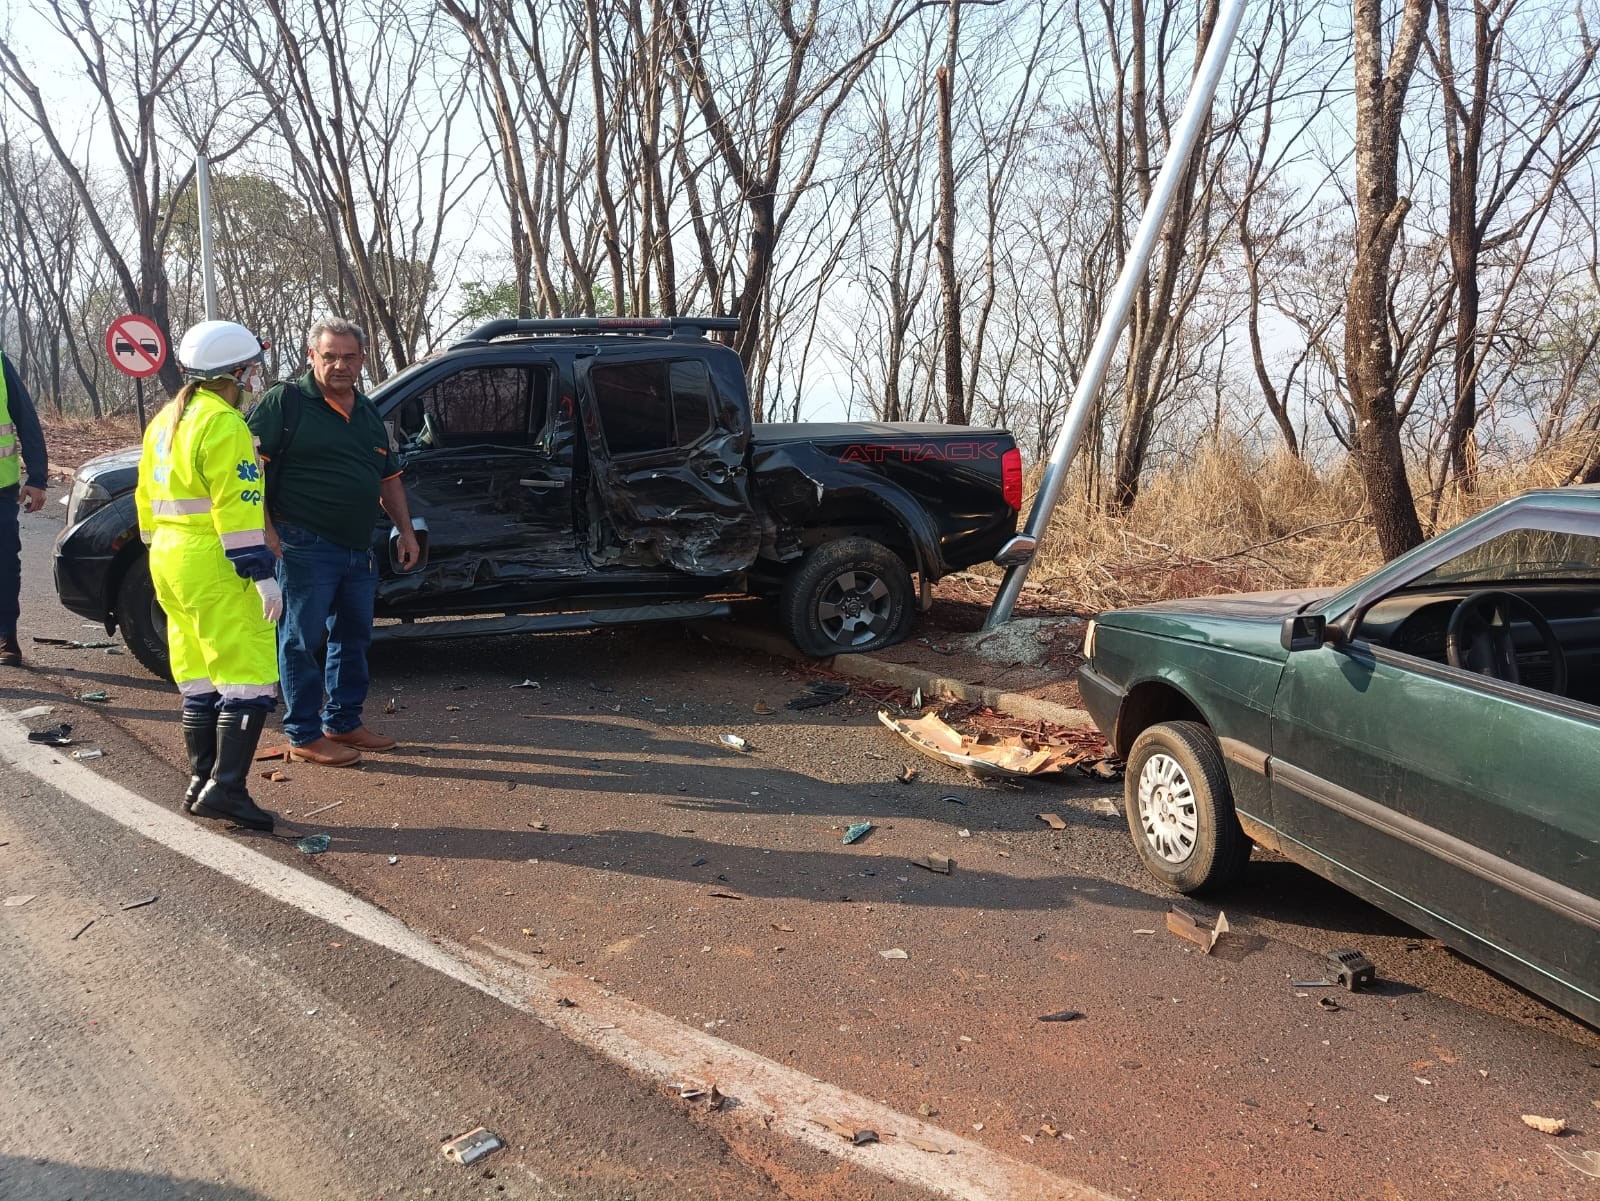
328 592
10 561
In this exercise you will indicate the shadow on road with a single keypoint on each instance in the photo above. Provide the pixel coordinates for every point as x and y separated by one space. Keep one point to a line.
49 1180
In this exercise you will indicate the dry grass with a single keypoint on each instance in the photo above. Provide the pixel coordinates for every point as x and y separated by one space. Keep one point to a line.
1231 521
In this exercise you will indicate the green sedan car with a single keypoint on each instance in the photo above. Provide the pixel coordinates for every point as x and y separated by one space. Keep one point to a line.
1428 738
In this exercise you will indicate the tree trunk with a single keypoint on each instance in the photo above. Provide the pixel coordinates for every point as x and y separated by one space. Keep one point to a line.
955 400
1380 213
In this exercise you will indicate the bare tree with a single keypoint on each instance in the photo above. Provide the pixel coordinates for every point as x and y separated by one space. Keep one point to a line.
1380 96
134 67
1515 125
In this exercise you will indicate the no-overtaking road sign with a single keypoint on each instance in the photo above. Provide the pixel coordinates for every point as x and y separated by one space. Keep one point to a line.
136 346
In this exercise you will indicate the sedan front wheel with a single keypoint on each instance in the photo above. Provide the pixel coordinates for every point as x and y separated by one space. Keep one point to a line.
1180 808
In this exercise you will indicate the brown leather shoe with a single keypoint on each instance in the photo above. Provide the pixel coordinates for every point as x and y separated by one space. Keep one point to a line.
325 754
362 739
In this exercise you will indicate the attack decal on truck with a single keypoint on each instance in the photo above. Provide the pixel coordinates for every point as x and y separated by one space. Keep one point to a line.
921 452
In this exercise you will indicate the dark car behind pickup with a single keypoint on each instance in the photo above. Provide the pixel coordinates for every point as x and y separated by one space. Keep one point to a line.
581 473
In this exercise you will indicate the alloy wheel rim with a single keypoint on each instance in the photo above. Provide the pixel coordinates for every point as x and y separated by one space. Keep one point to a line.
854 608
1168 814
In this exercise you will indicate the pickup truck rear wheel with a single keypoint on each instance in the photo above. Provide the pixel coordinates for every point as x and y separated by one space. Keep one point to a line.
847 597
1180 808
142 621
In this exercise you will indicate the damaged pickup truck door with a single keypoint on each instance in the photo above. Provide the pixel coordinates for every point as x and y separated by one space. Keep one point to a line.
488 464
668 451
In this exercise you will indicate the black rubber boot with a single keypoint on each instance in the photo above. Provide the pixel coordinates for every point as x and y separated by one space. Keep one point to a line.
225 796
200 737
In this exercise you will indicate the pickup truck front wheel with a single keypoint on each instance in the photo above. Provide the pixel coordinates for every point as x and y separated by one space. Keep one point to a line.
847 597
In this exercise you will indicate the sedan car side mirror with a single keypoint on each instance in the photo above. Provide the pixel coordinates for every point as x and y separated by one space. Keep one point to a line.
1304 632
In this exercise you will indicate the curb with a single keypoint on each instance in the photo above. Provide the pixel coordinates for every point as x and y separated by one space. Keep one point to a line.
865 667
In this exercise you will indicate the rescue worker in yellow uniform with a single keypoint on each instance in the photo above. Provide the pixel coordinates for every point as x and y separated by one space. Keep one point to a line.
200 511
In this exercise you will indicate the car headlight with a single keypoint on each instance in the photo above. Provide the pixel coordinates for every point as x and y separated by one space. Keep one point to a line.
86 496
1088 641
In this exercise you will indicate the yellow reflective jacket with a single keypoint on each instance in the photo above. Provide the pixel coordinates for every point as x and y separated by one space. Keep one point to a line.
199 473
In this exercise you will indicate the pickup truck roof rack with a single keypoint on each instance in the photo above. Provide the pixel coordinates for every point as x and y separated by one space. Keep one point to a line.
688 328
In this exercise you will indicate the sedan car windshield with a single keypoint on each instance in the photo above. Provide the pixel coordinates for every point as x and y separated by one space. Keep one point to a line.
1525 554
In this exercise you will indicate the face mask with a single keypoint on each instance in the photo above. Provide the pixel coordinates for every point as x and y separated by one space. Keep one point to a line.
251 384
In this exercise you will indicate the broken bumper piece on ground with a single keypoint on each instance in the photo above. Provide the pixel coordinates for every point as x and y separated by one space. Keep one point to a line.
983 755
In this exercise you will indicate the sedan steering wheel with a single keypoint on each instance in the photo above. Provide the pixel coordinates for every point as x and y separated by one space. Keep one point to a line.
1479 639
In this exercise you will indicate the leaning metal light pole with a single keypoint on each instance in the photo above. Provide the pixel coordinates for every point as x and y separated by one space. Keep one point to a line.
1187 132
202 181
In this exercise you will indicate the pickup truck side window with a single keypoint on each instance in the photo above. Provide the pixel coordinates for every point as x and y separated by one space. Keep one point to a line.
494 406
650 405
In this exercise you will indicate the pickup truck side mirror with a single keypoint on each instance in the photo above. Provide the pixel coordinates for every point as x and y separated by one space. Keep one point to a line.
1304 632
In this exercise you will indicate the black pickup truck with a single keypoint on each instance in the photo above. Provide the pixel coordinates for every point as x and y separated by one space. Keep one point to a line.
579 473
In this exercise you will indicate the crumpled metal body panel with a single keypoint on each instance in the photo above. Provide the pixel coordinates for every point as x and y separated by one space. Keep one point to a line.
940 484
687 507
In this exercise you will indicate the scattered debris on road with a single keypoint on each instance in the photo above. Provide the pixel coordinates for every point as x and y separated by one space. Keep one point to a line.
856 832
1053 820
36 711
1351 968
566 1003
1329 1004
922 1144
726 896
937 648
393 859
98 697
313 844
762 709
538 825
819 693
1065 1015
859 1135
527 684
1185 925
934 863
83 929
894 953
93 753
141 902
1554 1126
734 742
907 774
985 754
1105 807
19 900
322 808
953 800
472 1146
72 644
55 736
1587 1162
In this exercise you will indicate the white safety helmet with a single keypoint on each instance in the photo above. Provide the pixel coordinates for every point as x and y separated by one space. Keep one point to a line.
216 347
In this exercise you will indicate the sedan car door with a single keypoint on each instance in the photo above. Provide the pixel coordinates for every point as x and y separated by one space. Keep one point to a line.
1465 804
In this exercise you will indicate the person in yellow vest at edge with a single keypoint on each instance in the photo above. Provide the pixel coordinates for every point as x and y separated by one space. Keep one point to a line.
21 443
200 511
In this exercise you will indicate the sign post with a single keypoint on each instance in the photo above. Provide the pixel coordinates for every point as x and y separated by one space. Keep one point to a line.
137 348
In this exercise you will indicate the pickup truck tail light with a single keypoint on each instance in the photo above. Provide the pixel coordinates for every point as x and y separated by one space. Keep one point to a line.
1011 477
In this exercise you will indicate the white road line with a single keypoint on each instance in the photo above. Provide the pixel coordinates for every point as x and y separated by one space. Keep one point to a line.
647 1042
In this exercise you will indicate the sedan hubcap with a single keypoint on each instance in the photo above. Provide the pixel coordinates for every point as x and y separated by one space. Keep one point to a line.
1167 812
854 608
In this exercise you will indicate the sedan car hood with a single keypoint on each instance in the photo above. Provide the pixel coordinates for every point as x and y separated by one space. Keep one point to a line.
116 472
1267 606
1248 622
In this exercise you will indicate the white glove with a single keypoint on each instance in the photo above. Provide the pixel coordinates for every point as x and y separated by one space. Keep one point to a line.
271 599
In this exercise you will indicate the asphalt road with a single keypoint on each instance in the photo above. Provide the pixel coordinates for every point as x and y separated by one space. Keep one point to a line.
586 828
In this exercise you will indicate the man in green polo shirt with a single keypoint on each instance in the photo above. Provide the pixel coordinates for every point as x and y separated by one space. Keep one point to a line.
329 465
